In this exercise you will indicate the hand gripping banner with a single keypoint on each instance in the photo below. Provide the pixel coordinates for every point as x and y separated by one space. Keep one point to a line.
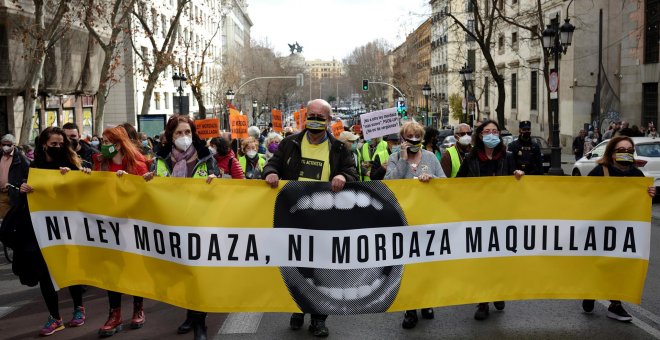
236 246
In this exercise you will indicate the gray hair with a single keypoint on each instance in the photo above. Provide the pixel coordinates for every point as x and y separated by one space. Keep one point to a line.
271 137
323 103
459 126
8 138
254 131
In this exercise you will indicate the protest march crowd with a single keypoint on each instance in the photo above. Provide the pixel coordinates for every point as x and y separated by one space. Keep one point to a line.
314 153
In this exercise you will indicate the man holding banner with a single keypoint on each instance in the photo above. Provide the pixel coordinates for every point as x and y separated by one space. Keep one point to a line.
305 157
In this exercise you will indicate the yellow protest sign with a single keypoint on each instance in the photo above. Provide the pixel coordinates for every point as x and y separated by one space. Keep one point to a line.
372 247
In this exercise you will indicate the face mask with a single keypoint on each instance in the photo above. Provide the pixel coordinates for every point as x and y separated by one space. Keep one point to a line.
183 143
272 147
95 143
145 143
465 140
526 135
396 148
251 154
415 145
212 151
315 124
108 151
74 143
7 148
624 158
56 153
491 141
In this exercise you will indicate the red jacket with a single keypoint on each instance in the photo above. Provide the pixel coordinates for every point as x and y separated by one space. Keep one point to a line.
236 171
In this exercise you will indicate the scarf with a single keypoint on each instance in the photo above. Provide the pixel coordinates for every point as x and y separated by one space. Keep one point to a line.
181 159
483 157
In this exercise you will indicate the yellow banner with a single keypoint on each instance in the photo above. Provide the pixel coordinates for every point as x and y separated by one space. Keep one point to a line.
237 246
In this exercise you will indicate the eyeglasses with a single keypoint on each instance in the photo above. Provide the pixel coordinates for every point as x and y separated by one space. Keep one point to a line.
461 134
624 150
490 132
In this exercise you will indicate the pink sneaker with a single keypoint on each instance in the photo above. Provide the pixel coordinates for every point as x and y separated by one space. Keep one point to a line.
78 317
52 325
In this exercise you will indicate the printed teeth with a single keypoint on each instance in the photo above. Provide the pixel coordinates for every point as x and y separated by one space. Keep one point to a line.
349 294
343 200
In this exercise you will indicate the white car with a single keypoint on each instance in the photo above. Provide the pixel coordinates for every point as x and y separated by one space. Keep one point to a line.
647 158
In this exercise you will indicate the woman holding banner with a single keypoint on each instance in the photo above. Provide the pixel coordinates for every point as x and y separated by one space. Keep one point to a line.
252 162
617 161
184 154
120 155
413 161
488 157
52 151
226 159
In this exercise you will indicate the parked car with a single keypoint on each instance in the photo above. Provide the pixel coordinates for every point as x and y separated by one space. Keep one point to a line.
647 158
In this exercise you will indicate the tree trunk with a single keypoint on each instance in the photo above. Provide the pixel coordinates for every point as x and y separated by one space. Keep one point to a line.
104 89
200 101
148 92
30 95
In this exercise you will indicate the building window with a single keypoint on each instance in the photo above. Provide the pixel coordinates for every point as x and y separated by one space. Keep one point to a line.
514 41
486 92
535 32
650 103
501 5
469 6
470 27
471 59
167 101
534 87
500 44
157 100
514 91
651 43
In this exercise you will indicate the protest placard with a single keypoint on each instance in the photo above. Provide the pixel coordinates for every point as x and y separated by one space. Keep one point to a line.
380 123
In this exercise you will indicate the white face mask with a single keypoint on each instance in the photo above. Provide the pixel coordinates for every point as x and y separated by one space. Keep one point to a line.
7 148
183 143
212 151
251 153
465 140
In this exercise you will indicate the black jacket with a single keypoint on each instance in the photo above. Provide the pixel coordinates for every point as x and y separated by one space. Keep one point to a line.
527 155
18 174
286 161
472 166
86 152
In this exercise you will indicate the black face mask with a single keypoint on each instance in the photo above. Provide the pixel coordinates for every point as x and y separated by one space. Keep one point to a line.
525 135
56 153
74 143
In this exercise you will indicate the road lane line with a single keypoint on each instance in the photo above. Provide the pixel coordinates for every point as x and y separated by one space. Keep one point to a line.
637 322
6 310
241 323
647 314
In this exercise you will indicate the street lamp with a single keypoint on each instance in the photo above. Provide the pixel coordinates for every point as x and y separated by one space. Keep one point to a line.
466 78
426 91
556 41
254 111
230 96
179 82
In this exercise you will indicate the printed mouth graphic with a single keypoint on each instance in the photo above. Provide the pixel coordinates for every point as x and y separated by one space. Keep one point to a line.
340 291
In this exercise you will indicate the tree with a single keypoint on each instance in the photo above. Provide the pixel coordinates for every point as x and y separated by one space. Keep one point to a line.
456 107
163 55
39 39
100 17
369 61
195 60
485 25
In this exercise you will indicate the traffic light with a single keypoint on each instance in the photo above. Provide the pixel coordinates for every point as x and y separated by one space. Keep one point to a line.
365 84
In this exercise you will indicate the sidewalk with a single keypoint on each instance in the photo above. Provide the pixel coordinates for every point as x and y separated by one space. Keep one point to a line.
567 161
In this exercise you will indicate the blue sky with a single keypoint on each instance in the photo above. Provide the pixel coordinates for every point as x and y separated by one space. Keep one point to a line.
328 29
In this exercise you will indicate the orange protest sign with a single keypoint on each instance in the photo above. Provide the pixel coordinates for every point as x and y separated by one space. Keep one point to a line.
239 126
276 119
208 128
300 122
337 128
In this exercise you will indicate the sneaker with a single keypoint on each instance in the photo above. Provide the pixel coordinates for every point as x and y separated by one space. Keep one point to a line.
588 305
409 319
427 313
616 312
78 317
297 320
482 311
52 325
499 305
318 328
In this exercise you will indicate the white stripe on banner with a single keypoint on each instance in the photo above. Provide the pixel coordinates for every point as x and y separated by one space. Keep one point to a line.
344 249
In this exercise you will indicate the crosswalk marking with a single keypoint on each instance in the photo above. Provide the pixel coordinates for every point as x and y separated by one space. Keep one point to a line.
6 310
241 323
655 333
